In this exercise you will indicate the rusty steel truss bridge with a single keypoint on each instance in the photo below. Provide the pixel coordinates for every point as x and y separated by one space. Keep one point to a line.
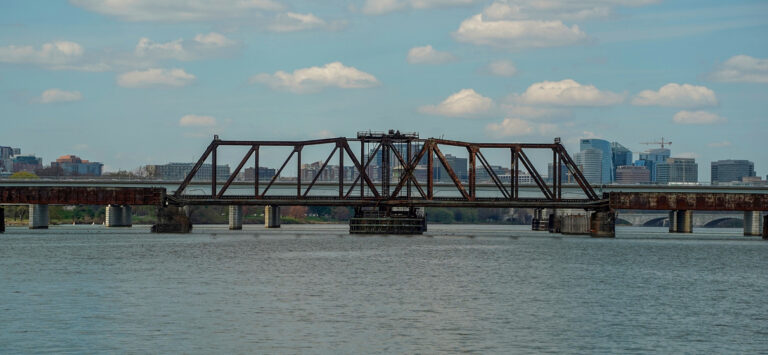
408 153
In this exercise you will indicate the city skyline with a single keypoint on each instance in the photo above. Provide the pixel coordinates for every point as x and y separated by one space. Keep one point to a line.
134 85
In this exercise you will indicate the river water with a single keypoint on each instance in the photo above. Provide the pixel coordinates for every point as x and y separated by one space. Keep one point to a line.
316 289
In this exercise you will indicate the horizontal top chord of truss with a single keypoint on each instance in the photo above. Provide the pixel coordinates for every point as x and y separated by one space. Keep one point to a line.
406 186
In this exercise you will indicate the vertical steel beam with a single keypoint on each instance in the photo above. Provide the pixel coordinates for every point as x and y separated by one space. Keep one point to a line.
430 177
256 171
472 172
341 170
213 171
298 170
364 163
516 178
405 168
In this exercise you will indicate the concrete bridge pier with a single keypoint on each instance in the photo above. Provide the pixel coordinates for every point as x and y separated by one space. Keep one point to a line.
118 216
38 216
765 227
540 220
575 223
2 220
681 221
172 219
753 221
235 217
603 224
272 216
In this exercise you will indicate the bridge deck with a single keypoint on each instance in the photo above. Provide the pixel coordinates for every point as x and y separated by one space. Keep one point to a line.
72 195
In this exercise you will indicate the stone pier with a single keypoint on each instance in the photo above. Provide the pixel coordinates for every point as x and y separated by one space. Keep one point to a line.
753 223
172 219
38 216
118 216
235 217
272 216
575 223
681 221
603 224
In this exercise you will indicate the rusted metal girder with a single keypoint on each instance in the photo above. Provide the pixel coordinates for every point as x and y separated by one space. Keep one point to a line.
391 192
687 201
71 195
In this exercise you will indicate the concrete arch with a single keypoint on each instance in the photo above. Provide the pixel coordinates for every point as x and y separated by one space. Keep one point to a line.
657 222
623 222
719 221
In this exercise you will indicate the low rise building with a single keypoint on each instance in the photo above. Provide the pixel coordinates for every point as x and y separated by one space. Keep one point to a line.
629 174
72 165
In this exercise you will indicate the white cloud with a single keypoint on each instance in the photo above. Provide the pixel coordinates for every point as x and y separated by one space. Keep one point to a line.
464 103
517 34
428 55
697 117
676 95
379 7
292 22
502 68
720 144
178 10
155 77
214 39
57 95
567 93
197 121
313 79
742 69
204 45
52 54
509 127
172 49
567 10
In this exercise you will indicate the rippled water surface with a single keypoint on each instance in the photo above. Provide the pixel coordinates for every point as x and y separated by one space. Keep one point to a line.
315 289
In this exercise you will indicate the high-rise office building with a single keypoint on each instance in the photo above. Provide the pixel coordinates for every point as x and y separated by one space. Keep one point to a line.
731 170
591 163
606 160
621 156
28 163
651 158
629 174
458 165
677 170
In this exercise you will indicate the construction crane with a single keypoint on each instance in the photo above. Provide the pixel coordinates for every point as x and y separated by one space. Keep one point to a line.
662 142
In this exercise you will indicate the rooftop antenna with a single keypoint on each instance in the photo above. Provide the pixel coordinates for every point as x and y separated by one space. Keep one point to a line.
662 142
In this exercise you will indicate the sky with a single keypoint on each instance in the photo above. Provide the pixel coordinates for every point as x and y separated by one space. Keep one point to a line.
135 82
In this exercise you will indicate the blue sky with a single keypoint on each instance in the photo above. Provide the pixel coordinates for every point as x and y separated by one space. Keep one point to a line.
140 82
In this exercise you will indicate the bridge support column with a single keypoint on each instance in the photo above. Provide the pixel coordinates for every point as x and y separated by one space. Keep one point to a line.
172 219
127 218
235 217
540 220
575 223
272 216
673 221
753 222
765 227
681 221
38 216
2 220
118 216
603 224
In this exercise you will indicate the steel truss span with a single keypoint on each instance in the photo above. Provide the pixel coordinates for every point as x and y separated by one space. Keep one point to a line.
406 153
